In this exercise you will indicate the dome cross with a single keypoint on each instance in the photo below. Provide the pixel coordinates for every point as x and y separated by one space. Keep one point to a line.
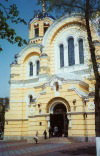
43 6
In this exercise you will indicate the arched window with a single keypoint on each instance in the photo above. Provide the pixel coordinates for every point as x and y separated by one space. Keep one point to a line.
37 67
30 98
71 54
57 86
36 29
61 55
81 51
31 69
46 25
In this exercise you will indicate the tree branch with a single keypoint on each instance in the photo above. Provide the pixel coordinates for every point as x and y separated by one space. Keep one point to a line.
5 9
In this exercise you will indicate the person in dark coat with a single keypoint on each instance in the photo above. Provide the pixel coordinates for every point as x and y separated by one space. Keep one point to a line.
50 132
45 134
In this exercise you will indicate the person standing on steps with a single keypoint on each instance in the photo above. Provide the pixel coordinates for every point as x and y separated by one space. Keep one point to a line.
50 132
36 137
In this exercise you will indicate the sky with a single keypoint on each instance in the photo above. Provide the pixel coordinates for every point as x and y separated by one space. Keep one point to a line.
26 8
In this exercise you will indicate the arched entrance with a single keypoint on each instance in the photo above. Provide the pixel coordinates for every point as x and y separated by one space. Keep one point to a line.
59 120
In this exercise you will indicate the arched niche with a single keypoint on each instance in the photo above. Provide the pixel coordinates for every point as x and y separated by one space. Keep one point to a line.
56 101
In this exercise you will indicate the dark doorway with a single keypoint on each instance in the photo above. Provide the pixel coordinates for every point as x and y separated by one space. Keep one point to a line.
59 121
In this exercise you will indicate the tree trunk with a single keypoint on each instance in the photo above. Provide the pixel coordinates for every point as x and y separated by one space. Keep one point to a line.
97 78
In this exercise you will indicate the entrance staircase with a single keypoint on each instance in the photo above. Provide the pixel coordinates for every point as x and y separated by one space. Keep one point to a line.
56 140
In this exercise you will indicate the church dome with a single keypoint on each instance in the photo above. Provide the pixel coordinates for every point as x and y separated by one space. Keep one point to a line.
40 15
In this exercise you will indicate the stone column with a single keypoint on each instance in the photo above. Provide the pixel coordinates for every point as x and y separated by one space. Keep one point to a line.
69 125
65 53
76 51
34 69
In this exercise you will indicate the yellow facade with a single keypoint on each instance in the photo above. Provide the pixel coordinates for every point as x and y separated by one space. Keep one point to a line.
46 84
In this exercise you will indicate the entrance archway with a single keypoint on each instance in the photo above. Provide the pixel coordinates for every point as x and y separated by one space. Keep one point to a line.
59 120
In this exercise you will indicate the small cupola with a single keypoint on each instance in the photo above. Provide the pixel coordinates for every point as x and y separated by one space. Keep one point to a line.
39 24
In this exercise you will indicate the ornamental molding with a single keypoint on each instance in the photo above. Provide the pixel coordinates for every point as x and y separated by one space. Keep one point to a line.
61 79
79 92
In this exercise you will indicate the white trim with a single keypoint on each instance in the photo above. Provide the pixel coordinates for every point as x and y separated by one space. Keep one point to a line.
79 92
54 104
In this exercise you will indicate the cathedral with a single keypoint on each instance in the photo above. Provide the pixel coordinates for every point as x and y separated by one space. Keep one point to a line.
51 82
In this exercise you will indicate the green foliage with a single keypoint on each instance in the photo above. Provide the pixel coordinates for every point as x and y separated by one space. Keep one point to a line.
10 14
62 7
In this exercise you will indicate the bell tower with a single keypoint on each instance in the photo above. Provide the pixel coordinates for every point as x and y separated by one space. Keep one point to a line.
39 24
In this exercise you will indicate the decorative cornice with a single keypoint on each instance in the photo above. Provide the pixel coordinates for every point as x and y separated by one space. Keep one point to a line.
45 83
35 38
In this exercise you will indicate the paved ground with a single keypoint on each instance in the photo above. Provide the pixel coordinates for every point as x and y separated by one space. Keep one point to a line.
50 147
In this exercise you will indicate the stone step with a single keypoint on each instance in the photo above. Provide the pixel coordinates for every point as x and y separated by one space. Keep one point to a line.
55 140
